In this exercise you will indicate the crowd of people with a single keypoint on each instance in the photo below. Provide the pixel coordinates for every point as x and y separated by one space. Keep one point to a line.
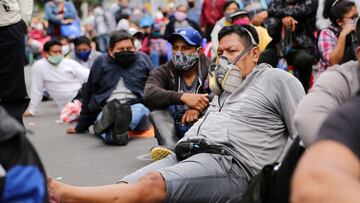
231 89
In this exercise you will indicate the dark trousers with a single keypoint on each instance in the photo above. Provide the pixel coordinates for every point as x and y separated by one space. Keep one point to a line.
208 30
303 62
300 59
13 95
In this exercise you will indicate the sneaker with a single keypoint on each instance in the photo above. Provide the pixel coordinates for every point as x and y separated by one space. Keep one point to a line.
108 116
159 152
123 118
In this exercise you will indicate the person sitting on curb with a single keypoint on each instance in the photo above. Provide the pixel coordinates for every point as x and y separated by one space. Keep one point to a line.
180 89
113 95
245 127
83 52
62 78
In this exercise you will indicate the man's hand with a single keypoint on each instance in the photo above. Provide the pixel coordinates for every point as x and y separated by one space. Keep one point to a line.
290 22
259 18
27 114
71 131
195 101
190 116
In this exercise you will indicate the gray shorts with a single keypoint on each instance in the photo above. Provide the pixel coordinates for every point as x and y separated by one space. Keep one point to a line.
200 178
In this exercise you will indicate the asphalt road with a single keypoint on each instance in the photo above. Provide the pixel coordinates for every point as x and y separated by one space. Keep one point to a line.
81 159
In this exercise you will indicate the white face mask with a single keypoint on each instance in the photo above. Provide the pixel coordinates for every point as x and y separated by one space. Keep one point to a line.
38 26
137 44
98 11
65 49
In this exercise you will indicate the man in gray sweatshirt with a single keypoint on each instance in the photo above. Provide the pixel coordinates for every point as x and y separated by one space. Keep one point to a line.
245 127
333 87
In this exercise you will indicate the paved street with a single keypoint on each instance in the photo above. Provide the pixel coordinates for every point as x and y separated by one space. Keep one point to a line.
81 159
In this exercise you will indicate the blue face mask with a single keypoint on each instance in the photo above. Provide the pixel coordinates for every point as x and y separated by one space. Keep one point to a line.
83 55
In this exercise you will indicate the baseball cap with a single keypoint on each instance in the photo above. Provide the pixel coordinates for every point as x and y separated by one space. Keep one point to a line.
189 34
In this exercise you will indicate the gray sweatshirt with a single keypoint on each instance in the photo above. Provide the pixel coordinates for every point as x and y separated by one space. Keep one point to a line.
254 122
336 85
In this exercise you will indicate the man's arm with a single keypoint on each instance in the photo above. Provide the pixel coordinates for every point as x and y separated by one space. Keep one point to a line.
37 89
289 95
328 92
156 95
26 9
328 172
71 13
50 16
81 73
300 10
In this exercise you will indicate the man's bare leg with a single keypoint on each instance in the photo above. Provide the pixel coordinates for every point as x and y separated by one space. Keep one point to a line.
149 189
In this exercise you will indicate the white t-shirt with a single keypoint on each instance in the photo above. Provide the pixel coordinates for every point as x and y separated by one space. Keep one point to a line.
62 82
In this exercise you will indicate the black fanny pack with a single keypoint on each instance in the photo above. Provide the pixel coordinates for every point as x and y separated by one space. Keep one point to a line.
185 149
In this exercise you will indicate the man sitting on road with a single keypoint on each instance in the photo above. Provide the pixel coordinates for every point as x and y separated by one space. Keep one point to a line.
61 78
245 128
114 92
83 52
180 89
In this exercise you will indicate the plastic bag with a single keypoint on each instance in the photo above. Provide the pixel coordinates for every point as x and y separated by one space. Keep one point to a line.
71 111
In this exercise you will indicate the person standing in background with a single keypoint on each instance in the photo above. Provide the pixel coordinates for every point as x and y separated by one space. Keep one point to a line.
194 11
14 15
104 23
211 12
59 12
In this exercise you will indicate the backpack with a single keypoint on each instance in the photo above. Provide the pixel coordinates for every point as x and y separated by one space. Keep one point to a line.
272 183
22 176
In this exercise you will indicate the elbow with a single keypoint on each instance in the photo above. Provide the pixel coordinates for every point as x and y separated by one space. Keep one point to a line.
150 101
304 126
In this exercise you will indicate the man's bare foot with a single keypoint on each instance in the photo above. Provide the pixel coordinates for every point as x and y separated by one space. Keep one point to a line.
54 190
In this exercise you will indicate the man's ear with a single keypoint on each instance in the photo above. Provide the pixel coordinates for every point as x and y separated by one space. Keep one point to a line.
255 53
199 50
357 52
110 53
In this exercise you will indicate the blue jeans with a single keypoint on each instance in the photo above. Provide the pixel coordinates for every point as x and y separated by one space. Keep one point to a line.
102 41
177 111
139 121
155 58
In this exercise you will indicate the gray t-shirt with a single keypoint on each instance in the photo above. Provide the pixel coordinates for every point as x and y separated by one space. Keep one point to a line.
336 85
121 93
253 123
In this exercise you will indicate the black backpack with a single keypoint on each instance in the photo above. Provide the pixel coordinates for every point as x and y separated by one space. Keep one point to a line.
272 183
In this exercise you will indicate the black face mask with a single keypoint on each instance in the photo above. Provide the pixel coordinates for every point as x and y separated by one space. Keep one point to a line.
191 4
125 58
291 2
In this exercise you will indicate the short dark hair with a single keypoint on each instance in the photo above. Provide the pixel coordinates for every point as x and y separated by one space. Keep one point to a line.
52 42
240 30
119 35
357 31
82 40
336 10
228 3
181 5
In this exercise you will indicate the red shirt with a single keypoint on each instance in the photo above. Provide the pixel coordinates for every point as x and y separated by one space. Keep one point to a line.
211 12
